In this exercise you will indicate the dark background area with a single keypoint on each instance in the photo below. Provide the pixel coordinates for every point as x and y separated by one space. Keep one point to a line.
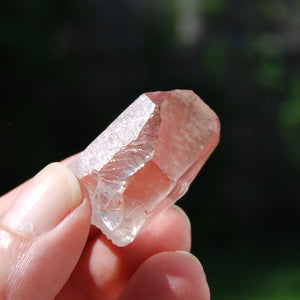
69 68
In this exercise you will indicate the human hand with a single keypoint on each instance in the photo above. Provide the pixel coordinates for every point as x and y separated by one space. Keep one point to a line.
48 249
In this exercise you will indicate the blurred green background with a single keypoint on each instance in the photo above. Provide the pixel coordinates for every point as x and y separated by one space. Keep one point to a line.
70 67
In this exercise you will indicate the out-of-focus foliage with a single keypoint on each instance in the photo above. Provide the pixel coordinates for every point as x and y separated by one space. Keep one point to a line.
289 117
70 67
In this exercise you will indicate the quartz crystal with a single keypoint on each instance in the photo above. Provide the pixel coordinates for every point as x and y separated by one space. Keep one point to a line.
145 160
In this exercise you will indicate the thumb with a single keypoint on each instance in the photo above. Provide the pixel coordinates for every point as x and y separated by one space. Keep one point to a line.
42 235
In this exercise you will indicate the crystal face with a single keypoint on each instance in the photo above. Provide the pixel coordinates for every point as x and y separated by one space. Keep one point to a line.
145 160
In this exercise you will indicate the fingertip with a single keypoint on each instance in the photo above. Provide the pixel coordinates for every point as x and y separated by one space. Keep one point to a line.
192 256
168 275
183 215
44 202
168 231
43 234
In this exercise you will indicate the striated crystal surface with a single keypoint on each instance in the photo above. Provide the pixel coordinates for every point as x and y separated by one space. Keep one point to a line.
145 160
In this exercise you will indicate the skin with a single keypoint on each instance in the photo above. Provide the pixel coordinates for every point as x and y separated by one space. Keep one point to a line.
74 260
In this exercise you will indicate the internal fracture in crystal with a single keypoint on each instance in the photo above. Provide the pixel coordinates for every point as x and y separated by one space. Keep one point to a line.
145 160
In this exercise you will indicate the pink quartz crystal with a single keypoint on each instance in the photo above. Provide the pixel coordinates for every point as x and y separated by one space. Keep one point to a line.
146 160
